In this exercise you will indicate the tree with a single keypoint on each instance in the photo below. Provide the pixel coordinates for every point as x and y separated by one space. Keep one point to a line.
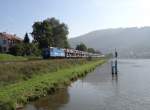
26 38
50 32
24 49
81 47
34 50
17 49
91 50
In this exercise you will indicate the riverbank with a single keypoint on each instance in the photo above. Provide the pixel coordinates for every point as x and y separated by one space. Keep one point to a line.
14 95
15 72
99 90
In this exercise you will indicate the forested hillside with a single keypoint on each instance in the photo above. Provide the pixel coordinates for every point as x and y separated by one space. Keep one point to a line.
128 41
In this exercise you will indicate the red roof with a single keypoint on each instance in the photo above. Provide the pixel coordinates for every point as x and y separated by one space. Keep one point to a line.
9 36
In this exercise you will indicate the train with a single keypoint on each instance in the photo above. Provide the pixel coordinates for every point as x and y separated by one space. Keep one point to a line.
55 52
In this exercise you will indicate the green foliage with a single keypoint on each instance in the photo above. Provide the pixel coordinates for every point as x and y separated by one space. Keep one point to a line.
91 50
34 50
39 85
42 33
17 50
7 106
8 57
25 49
26 39
50 32
25 70
81 47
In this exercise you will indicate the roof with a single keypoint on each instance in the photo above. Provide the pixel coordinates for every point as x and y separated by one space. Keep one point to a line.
10 36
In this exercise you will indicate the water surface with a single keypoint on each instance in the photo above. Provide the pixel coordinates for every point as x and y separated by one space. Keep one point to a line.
99 90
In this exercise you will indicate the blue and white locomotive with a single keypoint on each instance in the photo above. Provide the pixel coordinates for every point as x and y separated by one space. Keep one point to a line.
54 52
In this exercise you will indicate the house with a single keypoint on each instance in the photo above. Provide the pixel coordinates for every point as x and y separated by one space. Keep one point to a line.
7 41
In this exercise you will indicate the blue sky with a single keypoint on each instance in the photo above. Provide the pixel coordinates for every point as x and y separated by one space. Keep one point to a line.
81 16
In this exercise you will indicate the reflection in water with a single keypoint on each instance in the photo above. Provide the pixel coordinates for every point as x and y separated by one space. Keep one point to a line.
51 102
115 78
99 90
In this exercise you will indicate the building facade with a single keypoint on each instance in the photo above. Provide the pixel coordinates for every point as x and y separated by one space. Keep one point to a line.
7 41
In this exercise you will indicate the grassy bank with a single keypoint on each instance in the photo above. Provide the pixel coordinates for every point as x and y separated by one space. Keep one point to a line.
14 72
12 58
41 84
8 57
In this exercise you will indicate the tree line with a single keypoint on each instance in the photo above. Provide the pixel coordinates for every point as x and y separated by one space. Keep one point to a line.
47 33
83 47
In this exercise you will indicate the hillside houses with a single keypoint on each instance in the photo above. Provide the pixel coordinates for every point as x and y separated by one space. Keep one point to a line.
7 41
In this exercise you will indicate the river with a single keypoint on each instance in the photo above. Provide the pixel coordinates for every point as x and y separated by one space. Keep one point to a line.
99 90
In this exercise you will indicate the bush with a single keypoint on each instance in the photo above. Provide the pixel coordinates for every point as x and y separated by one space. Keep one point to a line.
25 49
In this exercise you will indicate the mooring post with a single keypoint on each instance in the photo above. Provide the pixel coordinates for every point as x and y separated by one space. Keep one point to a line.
116 69
114 65
116 56
112 68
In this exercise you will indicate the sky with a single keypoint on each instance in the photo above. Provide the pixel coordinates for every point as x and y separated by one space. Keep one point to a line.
81 16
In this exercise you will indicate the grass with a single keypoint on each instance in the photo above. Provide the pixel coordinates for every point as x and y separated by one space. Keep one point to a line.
8 57
12 58
42 84
14 72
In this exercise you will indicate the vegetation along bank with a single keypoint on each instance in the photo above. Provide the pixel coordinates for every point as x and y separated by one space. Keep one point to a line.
34 79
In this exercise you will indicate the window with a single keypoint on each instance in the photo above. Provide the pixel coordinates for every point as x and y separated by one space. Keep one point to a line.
4 42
